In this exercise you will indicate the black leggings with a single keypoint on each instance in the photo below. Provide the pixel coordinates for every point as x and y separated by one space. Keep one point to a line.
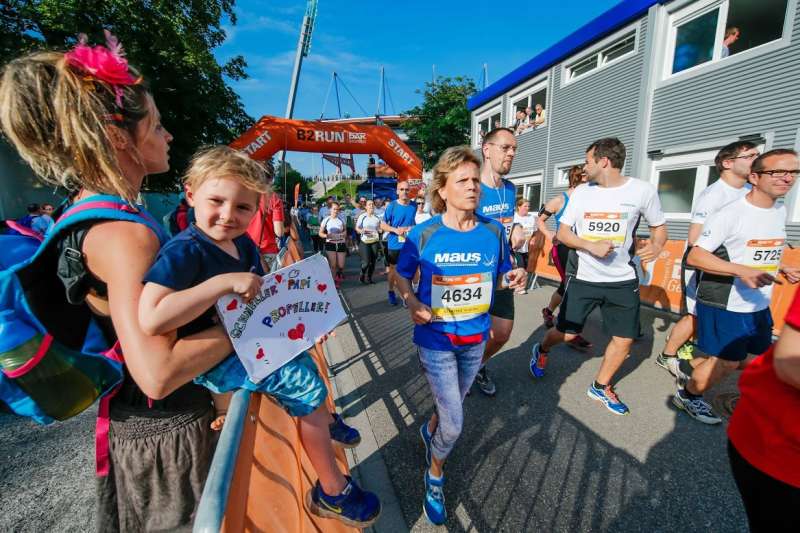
771 505
369 255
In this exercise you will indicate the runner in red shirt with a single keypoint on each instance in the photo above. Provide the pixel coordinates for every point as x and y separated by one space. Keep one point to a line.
764 433
266 224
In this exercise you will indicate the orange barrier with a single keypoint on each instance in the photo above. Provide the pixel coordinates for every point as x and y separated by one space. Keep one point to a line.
271 134
661 279
273 472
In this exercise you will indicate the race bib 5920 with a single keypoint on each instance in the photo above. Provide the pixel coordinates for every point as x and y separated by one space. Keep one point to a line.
605 227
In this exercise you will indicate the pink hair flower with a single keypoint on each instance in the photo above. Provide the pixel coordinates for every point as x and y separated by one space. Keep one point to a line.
103 63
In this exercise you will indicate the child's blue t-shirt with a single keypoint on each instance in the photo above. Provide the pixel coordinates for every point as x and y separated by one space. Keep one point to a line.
191 257
459 271
399 216
498 204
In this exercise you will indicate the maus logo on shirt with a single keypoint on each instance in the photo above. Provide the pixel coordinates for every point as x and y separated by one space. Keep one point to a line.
457 258
495 208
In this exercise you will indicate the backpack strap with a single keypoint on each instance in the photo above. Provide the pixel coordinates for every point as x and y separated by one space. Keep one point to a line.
106 207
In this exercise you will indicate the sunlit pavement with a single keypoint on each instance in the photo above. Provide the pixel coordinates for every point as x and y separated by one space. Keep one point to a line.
540 456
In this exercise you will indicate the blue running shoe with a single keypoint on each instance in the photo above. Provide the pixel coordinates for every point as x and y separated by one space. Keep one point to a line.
609 398
354 507
433 507
342 434
426 440
392 298
538 361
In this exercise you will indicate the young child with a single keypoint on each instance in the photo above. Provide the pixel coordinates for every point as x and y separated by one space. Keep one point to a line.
214 257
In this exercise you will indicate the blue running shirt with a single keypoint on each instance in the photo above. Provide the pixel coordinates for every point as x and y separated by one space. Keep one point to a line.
459 271
499 204
399 216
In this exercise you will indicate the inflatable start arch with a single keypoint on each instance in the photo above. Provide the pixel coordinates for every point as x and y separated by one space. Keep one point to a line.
271 134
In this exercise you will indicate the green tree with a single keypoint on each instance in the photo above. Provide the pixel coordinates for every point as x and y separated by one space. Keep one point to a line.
169 41
442 120
285 181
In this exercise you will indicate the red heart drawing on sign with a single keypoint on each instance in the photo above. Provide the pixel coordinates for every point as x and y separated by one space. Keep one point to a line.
296 333
278 278
260 353
233 305
321 287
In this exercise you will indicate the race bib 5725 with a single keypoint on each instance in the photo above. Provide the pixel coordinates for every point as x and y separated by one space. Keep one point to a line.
764 254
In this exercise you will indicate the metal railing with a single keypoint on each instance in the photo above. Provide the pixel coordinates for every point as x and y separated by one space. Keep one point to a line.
214 500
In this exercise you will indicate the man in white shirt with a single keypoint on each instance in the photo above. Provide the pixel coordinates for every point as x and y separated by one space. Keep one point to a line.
733 162
739 258
599 224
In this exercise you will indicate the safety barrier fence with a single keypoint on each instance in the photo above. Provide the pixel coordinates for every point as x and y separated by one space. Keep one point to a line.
260 473
661 279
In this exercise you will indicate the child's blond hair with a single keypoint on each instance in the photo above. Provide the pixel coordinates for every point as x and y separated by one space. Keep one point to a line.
225 162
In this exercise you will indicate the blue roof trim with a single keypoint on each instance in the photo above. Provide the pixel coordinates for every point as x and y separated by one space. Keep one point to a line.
600 27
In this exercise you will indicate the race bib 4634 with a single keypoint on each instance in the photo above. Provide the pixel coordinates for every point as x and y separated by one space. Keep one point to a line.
456 298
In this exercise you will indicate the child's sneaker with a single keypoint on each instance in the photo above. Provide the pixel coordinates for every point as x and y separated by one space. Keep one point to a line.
433 507
354 507
426 440
342 434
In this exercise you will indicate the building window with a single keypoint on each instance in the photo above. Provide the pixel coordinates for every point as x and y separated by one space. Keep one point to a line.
528 109
681 178
561 174
529 188
484 123
713 30
617 49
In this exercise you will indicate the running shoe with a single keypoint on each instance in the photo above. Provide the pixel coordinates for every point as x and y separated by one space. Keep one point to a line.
609 399
696 407
426 440
579 343
433 507
485 383
686 351
549 318
673 366
392 298
342 434
354 507
538 361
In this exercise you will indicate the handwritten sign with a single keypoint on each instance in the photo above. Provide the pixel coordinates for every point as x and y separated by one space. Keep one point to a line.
296 305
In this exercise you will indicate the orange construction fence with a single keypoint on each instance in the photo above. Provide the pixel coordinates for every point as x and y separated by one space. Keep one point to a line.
273 472
661 279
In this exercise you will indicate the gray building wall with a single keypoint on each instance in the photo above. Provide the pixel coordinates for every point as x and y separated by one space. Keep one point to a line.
756 96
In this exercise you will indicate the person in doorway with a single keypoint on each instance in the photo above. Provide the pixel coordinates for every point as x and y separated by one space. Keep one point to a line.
559 252
733 163
497 202
450 311
599 225
398 219
732 35
738 257
540 119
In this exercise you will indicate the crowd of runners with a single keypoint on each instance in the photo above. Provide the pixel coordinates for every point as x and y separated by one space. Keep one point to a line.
456 274
451 261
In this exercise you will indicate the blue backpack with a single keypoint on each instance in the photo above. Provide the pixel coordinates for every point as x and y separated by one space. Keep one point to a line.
55 359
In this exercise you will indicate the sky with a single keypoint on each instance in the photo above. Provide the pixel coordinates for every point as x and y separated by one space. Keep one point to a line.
356 38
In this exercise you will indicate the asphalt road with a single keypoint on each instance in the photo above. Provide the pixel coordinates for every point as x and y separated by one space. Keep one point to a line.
542 456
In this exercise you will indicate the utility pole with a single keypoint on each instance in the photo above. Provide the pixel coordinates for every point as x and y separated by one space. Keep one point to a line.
303 47
380 92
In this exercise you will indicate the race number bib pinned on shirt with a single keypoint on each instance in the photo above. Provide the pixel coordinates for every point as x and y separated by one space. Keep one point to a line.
456 298
508 223
605 227
369 237
764 254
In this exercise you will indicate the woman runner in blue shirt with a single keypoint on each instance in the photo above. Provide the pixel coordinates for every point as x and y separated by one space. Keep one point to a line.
460 256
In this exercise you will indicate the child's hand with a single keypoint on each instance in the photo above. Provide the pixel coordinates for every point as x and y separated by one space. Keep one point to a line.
245 284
